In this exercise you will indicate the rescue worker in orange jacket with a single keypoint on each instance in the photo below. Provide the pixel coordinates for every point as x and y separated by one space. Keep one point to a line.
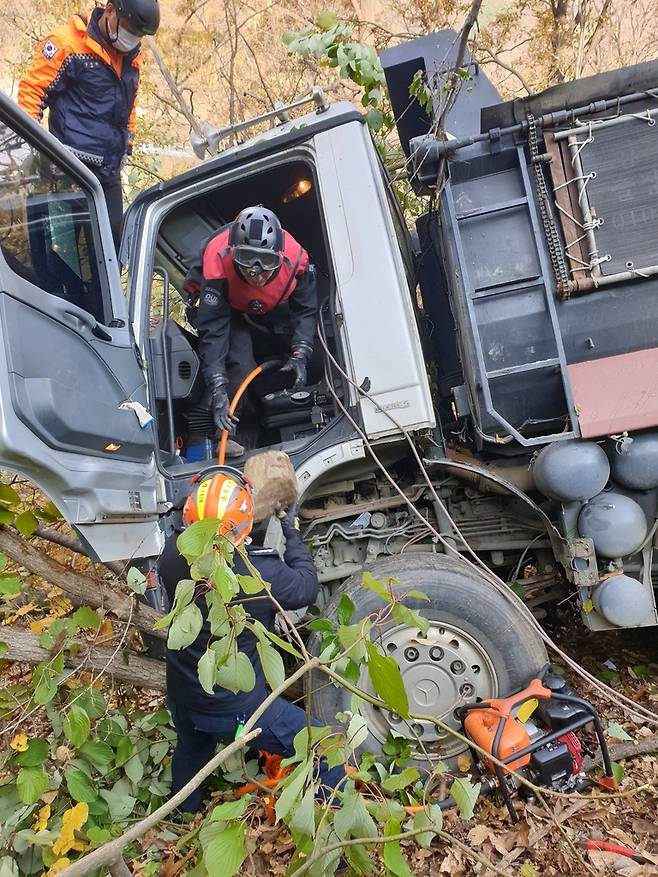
251 268
87 74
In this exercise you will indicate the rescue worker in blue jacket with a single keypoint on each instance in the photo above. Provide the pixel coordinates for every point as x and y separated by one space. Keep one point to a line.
202 720
253 280
87 74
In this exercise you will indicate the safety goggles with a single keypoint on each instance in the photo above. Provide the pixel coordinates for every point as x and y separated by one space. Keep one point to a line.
255 260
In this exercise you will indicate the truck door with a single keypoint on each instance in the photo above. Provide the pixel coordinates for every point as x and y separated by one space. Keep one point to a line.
69 370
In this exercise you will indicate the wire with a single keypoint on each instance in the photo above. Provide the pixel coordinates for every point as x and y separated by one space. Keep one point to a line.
479 566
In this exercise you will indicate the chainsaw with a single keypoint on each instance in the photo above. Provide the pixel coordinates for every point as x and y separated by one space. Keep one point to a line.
533 732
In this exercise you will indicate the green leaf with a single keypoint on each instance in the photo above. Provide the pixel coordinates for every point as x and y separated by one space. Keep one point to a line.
375 118
272 664
618 771
197 538
4 648
31 783
411 617
76 726
357 731
45 690
387 681
136 580
185 628
92 702
465 795
642 671
417 595
121 804
345 609
98 753
372 584
528 870
26 524
353 636
352 818
230 809
326 20
293 785
250 584
616 731
80 786
262 632
206 670
85 616
159 750
6 517
134 769
10 585
8 495
401 780
204 567
392 854
125 748
236 674
432 821
224 850
303 819
35 754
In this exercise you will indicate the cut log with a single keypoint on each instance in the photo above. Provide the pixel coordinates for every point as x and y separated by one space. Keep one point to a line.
275 482
80 587
124 666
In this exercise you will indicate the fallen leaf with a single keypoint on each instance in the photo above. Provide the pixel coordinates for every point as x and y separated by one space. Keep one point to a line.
59 865
42 817
72 821
19 743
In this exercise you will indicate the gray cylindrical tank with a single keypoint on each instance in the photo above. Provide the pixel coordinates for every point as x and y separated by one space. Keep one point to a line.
623 601
570 471
634 460
614 522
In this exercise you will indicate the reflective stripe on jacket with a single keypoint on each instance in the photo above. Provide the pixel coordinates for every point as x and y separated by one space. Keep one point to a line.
90 90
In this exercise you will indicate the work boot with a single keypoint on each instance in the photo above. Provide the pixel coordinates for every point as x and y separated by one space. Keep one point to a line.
234 449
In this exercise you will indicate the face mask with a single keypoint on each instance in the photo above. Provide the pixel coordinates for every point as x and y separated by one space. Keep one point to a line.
124 41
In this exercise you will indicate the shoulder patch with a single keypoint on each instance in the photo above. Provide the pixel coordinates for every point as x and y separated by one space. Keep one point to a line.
49 50
211 299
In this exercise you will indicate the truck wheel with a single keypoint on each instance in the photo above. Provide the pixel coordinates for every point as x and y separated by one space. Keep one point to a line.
477 646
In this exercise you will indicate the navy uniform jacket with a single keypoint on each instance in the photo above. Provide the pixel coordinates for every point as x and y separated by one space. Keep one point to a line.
294 584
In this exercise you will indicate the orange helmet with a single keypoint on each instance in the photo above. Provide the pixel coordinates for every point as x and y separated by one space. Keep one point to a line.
224 493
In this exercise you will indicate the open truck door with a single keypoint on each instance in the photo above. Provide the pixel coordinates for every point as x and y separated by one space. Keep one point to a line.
72 384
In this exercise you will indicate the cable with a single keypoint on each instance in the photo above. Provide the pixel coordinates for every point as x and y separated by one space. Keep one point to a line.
479 566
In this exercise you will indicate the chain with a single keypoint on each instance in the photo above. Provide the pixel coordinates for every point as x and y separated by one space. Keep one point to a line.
550 230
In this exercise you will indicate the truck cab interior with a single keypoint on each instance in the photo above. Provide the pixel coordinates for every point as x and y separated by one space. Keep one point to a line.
272 415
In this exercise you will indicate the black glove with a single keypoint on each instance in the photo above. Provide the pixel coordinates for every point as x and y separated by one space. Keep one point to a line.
297 364
289 519
219 403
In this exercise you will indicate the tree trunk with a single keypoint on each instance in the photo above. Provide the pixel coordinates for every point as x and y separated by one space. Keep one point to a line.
82 588
123 666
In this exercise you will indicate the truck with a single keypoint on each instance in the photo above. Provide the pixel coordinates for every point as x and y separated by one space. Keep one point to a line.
482 405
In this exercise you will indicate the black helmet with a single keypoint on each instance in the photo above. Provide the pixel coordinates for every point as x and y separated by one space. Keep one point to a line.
143 15
256 240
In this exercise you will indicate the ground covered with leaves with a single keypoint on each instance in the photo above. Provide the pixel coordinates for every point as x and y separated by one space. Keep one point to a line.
80 768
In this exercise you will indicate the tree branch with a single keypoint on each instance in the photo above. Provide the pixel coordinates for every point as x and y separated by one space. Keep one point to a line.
173 87
81 587
73 544
109 852
124 666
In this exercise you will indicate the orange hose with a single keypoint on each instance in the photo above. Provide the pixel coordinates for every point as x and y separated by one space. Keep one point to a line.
235 401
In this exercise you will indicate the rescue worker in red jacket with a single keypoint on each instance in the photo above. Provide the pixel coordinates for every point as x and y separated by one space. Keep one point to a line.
252 278
87 74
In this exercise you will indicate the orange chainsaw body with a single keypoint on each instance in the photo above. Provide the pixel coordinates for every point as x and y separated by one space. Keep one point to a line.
481 725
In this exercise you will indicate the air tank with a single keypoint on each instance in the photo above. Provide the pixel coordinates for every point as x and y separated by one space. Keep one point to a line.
615 523
623 601
571 471
634 460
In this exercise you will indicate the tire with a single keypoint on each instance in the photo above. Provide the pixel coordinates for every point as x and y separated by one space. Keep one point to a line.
476 639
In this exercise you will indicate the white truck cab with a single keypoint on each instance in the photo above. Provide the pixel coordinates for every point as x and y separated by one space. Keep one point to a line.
80 363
